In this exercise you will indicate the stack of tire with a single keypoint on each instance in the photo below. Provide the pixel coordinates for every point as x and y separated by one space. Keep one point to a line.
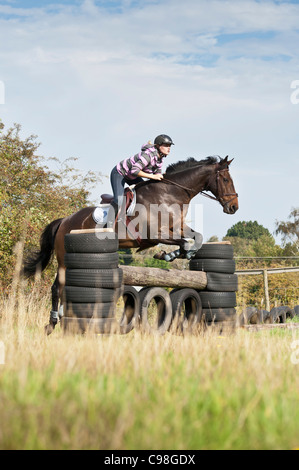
93 282
219 298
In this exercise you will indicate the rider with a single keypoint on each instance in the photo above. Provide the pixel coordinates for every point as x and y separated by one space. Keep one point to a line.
146 164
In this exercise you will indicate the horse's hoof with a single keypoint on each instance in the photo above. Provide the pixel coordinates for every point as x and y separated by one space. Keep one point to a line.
170 256
49 329
191 254
160 255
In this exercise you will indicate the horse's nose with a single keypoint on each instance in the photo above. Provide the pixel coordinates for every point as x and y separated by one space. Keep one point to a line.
234 208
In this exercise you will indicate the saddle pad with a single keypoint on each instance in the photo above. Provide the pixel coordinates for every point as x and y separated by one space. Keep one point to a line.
100 214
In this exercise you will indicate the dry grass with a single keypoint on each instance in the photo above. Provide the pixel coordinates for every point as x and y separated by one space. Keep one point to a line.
131 392
235 391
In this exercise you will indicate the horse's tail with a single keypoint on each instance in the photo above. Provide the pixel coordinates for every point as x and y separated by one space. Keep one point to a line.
39 260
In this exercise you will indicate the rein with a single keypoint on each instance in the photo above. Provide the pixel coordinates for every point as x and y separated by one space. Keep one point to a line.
218 199
179 185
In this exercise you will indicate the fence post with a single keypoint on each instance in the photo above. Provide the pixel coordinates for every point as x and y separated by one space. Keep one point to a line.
266 289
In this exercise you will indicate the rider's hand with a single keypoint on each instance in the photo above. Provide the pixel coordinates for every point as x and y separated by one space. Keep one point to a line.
157 176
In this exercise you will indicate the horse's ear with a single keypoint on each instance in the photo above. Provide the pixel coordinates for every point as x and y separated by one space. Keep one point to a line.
226 160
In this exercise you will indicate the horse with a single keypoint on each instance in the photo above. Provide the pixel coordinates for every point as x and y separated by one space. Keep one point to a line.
181 182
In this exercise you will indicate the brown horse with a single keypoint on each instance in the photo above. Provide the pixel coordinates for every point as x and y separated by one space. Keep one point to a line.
154 199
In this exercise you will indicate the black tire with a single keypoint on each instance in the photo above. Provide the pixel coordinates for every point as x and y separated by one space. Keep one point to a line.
215 251
157 322
186 310
110 278
289 312
218 299
91 260
91 242
219 314
90 295
249 315
219 282
227 266
95 310
130 310
280 314
89 325
276 316
246 314
265 316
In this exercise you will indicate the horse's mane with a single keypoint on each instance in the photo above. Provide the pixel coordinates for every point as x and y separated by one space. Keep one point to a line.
191 163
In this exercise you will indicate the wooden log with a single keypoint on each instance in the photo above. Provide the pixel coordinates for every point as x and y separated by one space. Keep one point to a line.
271 326
140 276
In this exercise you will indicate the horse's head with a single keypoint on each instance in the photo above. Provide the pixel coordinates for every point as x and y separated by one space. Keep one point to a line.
222 186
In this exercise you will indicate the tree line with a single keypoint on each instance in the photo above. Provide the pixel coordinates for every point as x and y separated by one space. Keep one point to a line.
32 194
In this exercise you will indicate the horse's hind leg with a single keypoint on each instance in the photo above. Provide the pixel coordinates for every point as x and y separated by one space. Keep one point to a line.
54 315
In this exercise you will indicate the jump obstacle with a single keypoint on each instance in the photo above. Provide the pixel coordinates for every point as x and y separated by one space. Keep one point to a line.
179 301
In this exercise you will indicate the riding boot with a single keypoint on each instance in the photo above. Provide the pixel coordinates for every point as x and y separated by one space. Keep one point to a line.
112 214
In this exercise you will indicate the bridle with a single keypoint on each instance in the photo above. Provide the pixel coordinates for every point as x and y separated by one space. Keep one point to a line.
218 199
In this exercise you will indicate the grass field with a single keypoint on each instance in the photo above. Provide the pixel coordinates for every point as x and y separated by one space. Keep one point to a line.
137 392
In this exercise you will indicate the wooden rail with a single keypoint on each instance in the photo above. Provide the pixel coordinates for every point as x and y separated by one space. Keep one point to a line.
271 326
265 272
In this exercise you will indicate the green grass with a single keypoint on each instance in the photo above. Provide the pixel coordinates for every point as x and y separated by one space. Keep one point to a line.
136 392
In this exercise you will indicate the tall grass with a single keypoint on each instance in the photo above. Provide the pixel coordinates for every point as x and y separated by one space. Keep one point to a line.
133 392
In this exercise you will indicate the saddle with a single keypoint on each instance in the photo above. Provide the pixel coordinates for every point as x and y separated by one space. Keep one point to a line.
130 197
130 203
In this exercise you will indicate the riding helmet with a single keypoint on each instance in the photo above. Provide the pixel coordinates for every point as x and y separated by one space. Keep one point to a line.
163 139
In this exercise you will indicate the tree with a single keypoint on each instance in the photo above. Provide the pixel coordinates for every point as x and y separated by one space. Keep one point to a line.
248 230
290 231
31 195
213 239
251 239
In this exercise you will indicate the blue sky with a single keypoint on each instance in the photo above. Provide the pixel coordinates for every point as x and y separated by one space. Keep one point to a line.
97 79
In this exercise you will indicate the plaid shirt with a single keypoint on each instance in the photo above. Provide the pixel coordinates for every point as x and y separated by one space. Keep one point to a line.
148 160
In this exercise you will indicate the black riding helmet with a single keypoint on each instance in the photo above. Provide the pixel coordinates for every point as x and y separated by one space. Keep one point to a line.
163 139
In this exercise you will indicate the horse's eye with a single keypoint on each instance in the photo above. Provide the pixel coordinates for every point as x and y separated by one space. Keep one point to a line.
225 180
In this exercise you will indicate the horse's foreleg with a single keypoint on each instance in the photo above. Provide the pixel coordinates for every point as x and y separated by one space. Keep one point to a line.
190 247
162 255
187 247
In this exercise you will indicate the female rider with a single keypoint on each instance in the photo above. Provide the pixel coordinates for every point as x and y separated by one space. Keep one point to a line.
146 164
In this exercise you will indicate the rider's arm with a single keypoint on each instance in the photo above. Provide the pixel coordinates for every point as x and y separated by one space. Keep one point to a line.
155 176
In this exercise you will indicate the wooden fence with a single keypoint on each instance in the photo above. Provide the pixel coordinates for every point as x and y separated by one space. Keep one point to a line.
265 272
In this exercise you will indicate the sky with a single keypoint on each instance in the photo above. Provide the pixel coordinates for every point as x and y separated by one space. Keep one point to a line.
95 80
